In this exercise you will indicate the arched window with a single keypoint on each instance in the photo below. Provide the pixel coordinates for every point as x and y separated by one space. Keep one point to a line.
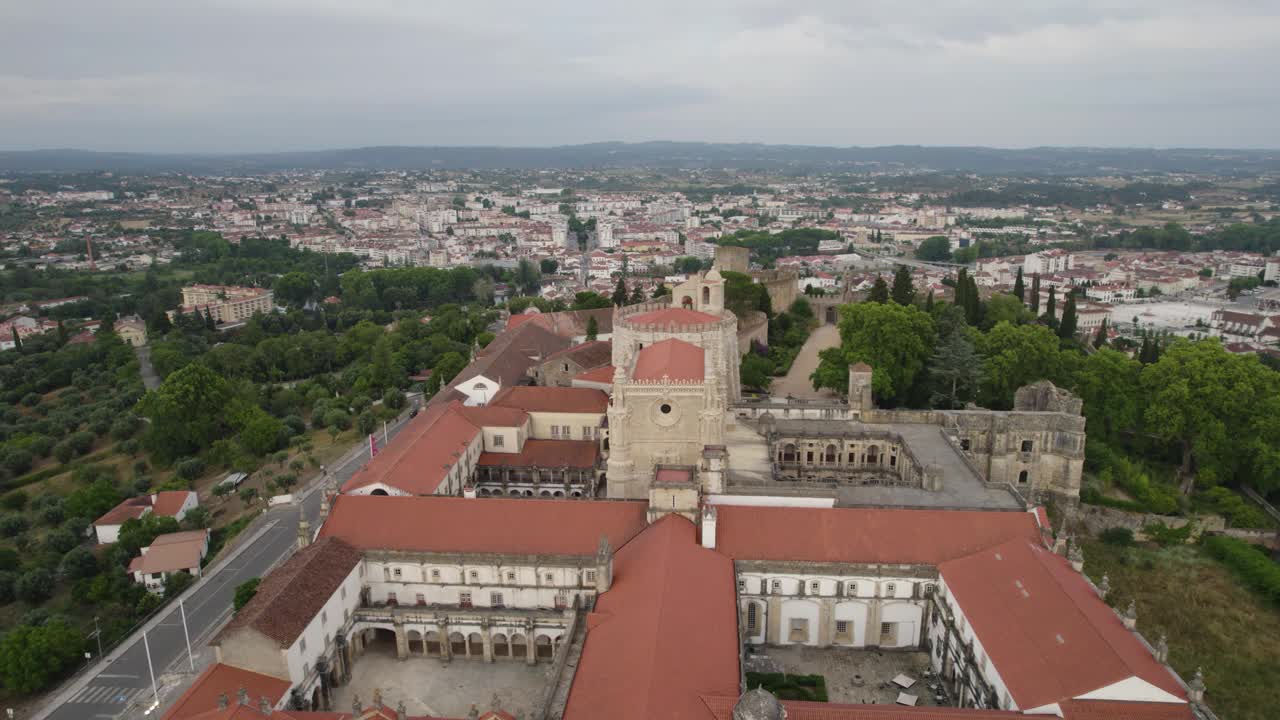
830 455
788 453
706 296
687 303
1022 478
873 455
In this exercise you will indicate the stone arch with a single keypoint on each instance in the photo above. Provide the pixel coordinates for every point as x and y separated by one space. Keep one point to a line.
379 491
831 315
831 455
706 296
528 493
576 493
904 621
501 647
686 303
519 645
415 643
484 492
873 455
475 644
543 648
789 453
558 493
544 493
432 640
457 644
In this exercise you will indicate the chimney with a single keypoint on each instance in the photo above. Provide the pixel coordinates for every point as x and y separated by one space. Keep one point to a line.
304 533
242 696
709 527
473 714
264 705
604 566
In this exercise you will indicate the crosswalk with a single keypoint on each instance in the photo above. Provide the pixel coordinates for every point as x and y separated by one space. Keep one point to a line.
107 695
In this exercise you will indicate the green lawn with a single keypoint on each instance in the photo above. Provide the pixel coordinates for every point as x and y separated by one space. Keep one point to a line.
1212 621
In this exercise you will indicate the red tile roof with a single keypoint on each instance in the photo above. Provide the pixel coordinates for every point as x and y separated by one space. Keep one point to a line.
721 708
587 355
494 416
420 457
602 374
452 524
638 662
169 502
1118 710
553 399
672 358
547 454
129 509
172 552
1047 632
864 535
203 694
290 597
672 475
671 316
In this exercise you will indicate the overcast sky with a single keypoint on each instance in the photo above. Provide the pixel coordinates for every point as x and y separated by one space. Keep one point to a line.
254 75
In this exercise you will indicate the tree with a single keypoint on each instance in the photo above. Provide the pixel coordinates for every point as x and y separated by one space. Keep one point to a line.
1017 355
637 294
661 290
366 422
904 291
393 399
548 266
1004 308
294 288
1051 308
957 367
1018 290
190 469
175 583
593 329
187 411
17 341
77 564
620 293
895 340
928 302
221 490
1035 294
1067 328
34 586
527 277
879 291
1108 383
248 495
448 366
934 249
755 371
1101 338
33 656
245 592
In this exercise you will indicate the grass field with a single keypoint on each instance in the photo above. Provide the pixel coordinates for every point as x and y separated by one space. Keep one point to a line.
1211 620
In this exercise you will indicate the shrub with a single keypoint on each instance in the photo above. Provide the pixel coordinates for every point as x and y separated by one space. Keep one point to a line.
295 424
1165 536
7 581
190 469
1117 536
60 540
78 563
31 399
15 500
81 442
393 399
11 524
34 586
1249 563
18 461
245 592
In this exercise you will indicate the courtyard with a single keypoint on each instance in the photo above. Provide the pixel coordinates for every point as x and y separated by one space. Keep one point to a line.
853 676
429 687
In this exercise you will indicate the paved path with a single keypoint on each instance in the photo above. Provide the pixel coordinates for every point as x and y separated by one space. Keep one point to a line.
796 382
150 380
123 681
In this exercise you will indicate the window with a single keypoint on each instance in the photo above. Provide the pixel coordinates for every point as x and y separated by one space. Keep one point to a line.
1026 446
475 576
566 367
851 589
887 632
590 576
420 599
753 618
808 456
775 586
511 577
555 432
302 645
890 589
464 599
343 591
815 587
587 430
324 619
965 444
549 578
566 431
799 630
306 669
497 440
742 586
396 573
435 575
391 599
842 630
562 601
665 409
495 600
1022 477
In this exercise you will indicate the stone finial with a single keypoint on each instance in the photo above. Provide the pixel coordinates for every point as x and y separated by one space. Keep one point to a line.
1162 648
356 707
264 705
1131 615
242 696
473 713
222 701
401 713
758 704
1076 557
1195 690
1104 587
377 697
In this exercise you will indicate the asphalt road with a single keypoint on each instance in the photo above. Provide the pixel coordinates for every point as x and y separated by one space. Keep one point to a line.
124 682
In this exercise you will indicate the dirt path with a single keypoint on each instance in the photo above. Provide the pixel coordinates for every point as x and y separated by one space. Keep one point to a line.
796 382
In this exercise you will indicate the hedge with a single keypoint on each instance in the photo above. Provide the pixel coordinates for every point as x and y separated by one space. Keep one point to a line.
1251 565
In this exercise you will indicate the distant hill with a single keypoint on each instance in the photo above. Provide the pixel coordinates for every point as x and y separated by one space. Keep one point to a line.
1043 160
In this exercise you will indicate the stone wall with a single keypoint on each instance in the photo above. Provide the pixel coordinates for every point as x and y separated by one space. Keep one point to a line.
1094 519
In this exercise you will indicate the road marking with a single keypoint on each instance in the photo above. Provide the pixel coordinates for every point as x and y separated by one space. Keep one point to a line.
105 695
130 677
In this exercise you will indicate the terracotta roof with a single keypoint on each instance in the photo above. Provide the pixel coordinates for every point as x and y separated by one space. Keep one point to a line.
637 662
290 597
1047 632
547 454
508 358
672 475
672 358
452 524
171 552
671 316
169 502
494 416
420 457
129 509
1118 710
567 323
864 535
552 399
203 694
587 355
602 374
721 708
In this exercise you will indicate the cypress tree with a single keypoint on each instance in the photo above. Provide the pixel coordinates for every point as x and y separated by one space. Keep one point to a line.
1018 290
928 302
1051 307
879 292
17 341
1067 330
620 293
1035 294
1101 338
904 292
